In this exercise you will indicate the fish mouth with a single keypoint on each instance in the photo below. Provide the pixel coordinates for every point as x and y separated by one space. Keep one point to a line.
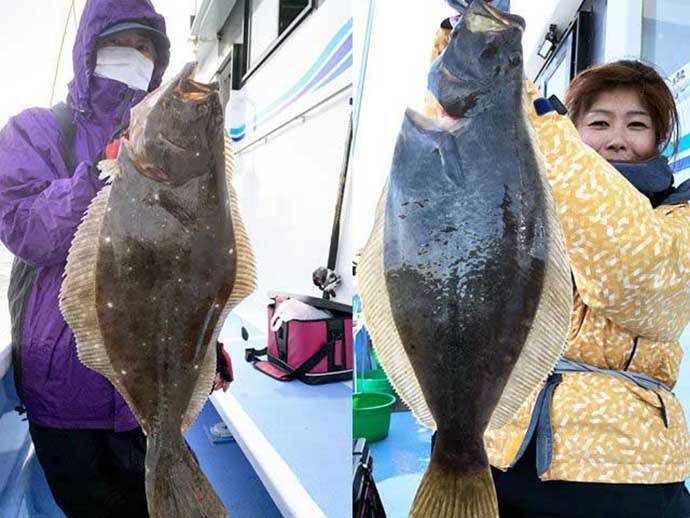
443 124
152 171
171 143
481 17
189 90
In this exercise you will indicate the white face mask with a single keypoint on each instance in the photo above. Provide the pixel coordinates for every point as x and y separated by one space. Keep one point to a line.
126 65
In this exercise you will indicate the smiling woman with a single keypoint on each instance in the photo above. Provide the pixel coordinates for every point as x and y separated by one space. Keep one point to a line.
625 227
623 110
619 127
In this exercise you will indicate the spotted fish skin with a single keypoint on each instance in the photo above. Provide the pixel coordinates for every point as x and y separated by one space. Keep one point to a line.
464 262
165 271
155 267
465 250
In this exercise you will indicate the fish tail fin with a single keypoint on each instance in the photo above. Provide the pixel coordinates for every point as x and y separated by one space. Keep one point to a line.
444 493
175 485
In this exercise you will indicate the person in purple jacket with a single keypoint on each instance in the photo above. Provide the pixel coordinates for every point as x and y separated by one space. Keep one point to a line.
85 436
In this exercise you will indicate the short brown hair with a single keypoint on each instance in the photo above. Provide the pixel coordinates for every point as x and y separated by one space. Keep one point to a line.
653 92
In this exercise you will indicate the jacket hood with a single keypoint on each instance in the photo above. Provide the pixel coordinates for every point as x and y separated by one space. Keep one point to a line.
98 15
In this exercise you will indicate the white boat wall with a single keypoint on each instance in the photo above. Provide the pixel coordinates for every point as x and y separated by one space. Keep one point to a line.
289 126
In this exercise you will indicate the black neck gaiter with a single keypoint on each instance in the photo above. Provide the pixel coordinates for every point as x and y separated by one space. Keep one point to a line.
654 179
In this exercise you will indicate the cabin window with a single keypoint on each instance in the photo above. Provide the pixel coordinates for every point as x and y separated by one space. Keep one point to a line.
288 13
577 49
268 23
665 43
557 75
665 26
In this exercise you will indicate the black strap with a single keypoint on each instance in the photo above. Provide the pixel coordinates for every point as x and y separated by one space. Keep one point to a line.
336 332
632 354
253 356
311 362
64 118
281 336
22 277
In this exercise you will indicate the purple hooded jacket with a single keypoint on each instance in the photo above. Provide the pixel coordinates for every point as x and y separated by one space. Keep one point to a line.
41 205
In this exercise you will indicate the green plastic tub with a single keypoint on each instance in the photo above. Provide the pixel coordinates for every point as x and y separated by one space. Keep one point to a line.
371 415
375 381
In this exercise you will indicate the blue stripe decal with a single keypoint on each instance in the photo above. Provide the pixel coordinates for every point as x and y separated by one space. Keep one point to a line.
330 47
327 60
683 146
332 63
342 68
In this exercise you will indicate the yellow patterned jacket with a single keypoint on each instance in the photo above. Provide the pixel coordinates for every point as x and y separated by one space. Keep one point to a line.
631 266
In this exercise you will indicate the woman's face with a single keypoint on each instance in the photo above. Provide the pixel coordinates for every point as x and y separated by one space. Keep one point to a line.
619 127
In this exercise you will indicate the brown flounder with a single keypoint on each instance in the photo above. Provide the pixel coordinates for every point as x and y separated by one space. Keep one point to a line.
465 280
157 264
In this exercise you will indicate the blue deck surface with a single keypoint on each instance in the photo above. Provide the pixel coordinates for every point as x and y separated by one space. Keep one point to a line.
309 426
24 492
399 462
227 468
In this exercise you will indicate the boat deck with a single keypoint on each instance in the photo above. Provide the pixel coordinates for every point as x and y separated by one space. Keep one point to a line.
298 437
399 463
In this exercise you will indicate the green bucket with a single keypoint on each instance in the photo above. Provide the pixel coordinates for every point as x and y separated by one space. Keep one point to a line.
371 415
375 381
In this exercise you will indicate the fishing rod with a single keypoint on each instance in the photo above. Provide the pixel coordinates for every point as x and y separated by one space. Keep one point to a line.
72 10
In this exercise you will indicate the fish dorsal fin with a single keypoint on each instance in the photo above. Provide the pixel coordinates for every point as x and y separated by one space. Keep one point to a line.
546 340
543 347
380 324
245 284
78 291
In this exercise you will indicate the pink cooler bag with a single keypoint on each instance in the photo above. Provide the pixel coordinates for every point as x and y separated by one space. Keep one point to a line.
315 349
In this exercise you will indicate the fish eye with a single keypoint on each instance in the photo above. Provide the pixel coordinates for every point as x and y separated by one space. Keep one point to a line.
515 59
489 53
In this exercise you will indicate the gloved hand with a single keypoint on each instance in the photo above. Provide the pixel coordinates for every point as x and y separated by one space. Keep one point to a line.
111 151
224 375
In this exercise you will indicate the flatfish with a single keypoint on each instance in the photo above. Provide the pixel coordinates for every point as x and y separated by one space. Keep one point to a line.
158 262
465 279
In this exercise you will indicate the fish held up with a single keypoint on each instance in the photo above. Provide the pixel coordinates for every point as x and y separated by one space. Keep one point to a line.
158 262
465 280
